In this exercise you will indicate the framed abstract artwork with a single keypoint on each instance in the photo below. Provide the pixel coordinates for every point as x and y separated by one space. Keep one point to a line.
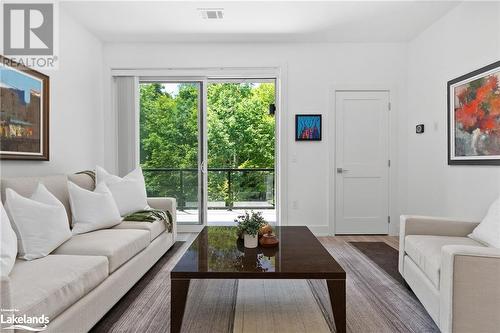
308 127
24 112
474 117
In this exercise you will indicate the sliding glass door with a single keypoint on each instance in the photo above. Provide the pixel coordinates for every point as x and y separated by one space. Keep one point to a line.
241 136
211 144
171 144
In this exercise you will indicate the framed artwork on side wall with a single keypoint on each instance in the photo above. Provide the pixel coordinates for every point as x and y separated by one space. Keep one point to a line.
308 127
24 112
474 117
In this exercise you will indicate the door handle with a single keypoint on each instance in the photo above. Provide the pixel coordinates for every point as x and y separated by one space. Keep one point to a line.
341 170
203 167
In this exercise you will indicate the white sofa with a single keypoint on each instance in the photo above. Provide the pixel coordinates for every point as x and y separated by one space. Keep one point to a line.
82 279
456 278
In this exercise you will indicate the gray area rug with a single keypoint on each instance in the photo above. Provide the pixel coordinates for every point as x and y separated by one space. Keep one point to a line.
376 302
385 256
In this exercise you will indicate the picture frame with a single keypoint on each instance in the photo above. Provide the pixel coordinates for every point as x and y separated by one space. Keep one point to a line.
308 127
473 102
24 112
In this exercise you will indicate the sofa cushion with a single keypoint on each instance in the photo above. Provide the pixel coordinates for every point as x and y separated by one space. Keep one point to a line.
40 222
425 251
57 185
117 245
8 244
155 228
52 284
92 210
129 192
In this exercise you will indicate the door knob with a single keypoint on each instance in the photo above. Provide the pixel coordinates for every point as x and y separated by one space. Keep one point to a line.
341 170
203 167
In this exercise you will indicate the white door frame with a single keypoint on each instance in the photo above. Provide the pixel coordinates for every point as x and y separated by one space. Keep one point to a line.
393 152
279 73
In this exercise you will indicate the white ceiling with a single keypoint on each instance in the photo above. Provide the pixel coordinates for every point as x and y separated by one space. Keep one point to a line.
257 21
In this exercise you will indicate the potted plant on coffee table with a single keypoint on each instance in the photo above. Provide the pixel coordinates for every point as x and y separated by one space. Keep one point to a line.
248 226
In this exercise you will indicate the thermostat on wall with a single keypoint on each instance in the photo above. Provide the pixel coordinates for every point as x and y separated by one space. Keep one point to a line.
420 128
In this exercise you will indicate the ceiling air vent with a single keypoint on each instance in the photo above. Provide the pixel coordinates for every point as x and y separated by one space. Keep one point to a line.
212 13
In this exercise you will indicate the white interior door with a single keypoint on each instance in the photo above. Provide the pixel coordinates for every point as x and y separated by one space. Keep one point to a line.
362 162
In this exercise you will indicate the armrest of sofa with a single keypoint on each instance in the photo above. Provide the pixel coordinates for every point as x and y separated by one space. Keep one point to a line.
469 289
169 204
427 225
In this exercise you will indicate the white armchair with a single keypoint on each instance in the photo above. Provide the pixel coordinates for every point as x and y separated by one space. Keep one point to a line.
456 278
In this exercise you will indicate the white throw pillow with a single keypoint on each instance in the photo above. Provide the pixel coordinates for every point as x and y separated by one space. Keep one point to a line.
8 245
40 222
488 231
129 192
92 210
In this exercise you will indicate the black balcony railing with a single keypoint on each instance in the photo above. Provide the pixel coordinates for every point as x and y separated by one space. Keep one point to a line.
228 188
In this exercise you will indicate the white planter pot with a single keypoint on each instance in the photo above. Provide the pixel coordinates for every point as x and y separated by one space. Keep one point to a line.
250 241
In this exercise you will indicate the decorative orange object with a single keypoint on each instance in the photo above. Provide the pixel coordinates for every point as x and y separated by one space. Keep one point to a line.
268 240
265 229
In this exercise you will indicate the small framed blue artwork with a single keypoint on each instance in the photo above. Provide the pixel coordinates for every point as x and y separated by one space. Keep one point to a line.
307 127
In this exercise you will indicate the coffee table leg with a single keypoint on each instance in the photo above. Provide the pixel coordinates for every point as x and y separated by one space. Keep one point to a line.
336 290
178 294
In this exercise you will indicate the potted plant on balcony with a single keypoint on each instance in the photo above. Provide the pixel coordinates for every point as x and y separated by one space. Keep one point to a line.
248 226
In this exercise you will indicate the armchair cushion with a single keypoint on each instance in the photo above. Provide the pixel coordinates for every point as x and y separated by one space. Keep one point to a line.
488 231
428 225
425 251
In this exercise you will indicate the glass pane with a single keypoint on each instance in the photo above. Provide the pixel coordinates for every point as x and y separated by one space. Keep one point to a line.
169 148
241 151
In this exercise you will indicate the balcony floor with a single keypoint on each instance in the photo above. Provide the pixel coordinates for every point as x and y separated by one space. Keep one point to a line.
221 217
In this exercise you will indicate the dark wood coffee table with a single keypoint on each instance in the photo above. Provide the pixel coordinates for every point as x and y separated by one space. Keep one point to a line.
216 254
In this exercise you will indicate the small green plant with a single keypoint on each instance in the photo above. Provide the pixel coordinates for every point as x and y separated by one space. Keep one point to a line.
250 223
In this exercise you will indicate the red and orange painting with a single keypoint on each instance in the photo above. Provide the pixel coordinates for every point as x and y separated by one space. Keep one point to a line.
474 107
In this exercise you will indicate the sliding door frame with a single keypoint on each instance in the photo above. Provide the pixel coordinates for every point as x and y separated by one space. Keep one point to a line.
204 75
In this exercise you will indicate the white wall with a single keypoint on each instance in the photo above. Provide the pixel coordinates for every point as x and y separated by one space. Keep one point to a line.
311 72
76 121
465 39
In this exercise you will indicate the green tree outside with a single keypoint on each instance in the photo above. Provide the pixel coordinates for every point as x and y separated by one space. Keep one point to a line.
241 134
